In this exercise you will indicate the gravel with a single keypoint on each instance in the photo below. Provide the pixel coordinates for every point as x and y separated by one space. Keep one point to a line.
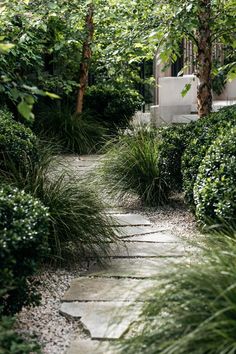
53 331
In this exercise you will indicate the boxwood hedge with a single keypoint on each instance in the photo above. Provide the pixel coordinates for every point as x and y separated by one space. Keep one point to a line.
23 243
204 133
215 186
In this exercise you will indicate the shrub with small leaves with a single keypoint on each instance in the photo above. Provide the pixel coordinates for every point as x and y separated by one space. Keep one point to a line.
18 144
11 342
204 132
23 244
215 187
114 106
173 141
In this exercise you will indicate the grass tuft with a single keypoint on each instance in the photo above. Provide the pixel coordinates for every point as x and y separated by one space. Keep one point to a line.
78 221
194 309
131 167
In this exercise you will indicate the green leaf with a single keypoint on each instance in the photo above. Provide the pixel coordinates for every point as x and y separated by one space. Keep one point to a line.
25 110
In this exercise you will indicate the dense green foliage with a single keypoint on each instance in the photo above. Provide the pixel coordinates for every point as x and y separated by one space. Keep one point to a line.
11 342
18 145
78 223
215 187
173 141
204 132
131 166
112 106
193 309
75 133
23 244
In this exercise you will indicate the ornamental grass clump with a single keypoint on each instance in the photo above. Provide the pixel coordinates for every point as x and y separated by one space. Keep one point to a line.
194 308
78 223
80 134
215 186
131 167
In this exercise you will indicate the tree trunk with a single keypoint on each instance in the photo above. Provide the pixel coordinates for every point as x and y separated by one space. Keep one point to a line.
204 58
86 58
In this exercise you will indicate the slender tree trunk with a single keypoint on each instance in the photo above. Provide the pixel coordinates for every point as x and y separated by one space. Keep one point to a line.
204 58
86 58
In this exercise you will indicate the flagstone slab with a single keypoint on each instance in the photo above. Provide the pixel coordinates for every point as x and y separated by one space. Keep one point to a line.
80 346
147 249
136 267
107 289
103 320
130 219
136 230
156 237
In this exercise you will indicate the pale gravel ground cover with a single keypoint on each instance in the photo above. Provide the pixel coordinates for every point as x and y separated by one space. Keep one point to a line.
54 331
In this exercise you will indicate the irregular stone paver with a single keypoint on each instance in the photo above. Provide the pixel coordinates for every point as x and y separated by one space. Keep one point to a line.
104 319
147 249
107 289
130 219
92 347
156 237
136 230
136 267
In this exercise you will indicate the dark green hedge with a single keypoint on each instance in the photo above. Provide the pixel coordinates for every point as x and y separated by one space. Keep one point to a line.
23 243
18 144
205 131
112 106
215 186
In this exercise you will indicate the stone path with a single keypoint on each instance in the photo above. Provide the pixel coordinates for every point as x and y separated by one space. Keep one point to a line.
107 300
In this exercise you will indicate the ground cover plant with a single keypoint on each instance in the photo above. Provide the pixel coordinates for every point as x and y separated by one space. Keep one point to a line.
215 186
131 167
194 308
23 245
204 132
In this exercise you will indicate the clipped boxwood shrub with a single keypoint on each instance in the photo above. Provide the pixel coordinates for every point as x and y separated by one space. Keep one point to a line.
18 144
11 342
173 141
111 105
23 243
215 187
205 131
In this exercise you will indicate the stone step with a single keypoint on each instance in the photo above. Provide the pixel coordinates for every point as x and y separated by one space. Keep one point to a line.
83 346
184 118
136 267
146 249
103 320
130 219
156 237
127 231
87 289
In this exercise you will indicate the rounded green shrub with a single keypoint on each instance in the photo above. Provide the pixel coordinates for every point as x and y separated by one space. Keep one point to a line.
11 342
173 141
113 106
215 186
23 243
204 132
131 167
18 144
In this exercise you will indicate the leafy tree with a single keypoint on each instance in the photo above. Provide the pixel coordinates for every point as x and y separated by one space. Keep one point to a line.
203 22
